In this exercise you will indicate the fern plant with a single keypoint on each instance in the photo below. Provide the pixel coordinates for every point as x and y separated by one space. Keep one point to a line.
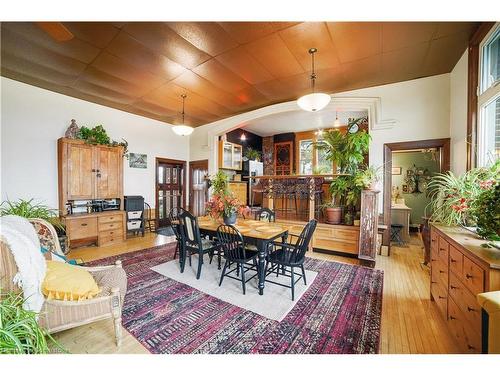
19 329
31 210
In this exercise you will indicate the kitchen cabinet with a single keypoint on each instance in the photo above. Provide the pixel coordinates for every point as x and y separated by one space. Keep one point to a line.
230 155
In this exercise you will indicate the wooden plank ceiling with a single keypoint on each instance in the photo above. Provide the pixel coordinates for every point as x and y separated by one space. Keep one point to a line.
225 68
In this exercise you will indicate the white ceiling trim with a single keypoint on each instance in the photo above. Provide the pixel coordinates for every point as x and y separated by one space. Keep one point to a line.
373 105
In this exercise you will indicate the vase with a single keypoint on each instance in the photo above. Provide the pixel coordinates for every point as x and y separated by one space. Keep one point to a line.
229 219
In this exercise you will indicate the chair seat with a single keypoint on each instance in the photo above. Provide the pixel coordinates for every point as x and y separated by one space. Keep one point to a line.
206 244
249 255
283 257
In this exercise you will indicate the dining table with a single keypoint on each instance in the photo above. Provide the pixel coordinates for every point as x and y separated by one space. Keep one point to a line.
254 232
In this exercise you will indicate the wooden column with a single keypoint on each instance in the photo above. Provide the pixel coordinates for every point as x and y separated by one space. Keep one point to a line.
270 199
368 227
312 198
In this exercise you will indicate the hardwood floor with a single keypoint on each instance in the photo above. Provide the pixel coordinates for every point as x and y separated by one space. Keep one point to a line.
411 323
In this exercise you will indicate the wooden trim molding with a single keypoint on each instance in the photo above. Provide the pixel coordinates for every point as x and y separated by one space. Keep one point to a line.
443 143
472 90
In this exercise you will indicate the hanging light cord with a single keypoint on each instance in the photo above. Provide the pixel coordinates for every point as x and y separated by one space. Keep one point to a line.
183 96
312 51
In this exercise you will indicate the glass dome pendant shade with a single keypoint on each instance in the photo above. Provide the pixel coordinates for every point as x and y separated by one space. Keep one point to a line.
315 101
183 130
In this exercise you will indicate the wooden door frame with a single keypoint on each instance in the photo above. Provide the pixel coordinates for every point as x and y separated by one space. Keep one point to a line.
170 161
443 143
192 165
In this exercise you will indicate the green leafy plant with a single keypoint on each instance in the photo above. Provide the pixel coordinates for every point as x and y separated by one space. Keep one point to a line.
98 136
31 210
219 183
347 151
453 197
367 176
252 154
486 211
19 329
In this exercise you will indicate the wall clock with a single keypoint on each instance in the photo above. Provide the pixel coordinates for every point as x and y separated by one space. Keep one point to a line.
353 128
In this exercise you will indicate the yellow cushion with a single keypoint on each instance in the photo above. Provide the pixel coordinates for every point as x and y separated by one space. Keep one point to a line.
68 283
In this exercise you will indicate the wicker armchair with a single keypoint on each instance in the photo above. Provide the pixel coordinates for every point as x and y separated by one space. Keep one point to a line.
58 315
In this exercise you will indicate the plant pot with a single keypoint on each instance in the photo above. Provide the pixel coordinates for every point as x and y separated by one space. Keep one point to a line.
334 215
348 219
356 222
230 220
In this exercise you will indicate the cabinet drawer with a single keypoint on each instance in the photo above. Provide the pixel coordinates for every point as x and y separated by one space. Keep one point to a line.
456 261
342 246
109 240
466 301
111 233
349 235
443 249
440 297
468 337
110 218
473 276
439 272
110 226
82 228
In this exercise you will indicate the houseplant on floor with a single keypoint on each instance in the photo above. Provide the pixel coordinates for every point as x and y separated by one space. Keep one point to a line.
19 329
347 151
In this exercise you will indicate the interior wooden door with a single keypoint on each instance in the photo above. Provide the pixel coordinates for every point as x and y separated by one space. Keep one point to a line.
109 172
198 187
169 188
81 172
283 159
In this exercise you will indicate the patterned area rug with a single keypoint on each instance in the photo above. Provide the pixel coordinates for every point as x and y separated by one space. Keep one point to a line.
339 313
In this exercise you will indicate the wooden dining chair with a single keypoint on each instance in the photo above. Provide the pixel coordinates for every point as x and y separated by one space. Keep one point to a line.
193 242
233 248
173 222
265 214
287 255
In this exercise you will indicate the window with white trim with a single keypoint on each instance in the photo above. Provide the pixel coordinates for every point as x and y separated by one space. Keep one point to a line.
488 135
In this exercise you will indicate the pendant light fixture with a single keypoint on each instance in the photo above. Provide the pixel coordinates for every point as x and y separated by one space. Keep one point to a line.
316 100
336 123
183 129
243 137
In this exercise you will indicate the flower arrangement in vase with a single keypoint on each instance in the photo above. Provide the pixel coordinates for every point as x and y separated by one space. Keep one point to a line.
223 204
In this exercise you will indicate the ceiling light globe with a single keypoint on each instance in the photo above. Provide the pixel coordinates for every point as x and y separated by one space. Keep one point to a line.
314 102
182 130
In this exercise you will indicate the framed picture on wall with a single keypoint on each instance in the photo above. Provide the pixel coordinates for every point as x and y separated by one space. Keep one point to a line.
396 170
138 160
405 189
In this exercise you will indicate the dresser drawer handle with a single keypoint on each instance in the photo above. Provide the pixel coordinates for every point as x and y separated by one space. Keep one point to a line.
469 309
441 249
433 240
470 347
440 271
441 297
433 282
84 224
111 232
468 276
433 260
452 317
452 260
453 287
111 218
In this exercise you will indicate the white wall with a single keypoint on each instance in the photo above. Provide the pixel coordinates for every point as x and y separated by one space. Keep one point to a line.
458 115
32 119
420 109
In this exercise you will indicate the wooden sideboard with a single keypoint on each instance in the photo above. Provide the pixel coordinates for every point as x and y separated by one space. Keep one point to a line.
460 270
87 172
102 228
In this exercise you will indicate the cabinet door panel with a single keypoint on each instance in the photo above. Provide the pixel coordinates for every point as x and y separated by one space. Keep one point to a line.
80 172
109 173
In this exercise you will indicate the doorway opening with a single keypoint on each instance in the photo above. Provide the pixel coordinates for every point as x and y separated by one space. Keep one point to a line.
170 177
198 186
408 168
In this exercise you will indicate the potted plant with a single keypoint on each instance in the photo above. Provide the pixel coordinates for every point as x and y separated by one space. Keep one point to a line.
31 210
486 211
223 204
453 197
347 151
19 329
368 177
252 154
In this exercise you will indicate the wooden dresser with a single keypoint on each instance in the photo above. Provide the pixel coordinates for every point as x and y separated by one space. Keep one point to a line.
88 172
461 269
